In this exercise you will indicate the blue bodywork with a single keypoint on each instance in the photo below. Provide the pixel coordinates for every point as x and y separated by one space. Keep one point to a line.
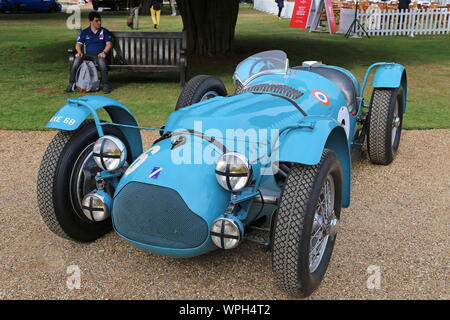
388 75
76 110
166 179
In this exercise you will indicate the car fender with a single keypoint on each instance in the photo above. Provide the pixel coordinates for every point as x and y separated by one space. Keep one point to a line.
392 75
76 110
306 143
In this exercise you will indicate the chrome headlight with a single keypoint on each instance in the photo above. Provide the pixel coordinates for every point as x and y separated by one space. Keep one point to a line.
109 153
233 171
225 233
95 207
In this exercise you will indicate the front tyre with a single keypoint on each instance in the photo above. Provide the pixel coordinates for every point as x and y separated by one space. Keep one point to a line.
385 121
200 88
305 226
66 174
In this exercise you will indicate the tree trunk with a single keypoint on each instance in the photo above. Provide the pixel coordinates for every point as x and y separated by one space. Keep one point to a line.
209 25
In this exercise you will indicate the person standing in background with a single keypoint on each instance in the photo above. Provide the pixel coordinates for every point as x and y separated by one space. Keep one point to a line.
280 4
133 15
155 12
403 4
172 5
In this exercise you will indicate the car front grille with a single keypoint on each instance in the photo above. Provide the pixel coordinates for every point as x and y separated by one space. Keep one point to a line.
157 216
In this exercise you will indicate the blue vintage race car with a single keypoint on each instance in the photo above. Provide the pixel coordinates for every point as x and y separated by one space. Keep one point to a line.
272 159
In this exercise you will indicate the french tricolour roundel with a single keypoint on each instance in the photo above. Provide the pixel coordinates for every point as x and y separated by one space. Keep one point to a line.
322 97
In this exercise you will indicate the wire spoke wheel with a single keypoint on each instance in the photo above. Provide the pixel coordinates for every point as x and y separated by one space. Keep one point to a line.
82 179
396 121
321 224
305 224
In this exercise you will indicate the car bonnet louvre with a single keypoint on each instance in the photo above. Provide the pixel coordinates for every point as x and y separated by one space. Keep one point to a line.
281 91
273 88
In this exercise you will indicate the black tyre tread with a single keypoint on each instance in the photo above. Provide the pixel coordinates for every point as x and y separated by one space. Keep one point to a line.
53 178
290 224
378 144
188 92
46 178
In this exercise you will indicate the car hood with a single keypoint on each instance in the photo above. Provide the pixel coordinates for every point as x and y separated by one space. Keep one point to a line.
249 110
241 111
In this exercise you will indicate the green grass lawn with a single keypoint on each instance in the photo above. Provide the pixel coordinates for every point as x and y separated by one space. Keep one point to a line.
34 67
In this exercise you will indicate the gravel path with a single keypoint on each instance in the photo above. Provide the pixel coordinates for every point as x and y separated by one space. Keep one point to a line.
397 224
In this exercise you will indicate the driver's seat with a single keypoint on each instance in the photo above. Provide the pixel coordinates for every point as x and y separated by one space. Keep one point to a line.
343 81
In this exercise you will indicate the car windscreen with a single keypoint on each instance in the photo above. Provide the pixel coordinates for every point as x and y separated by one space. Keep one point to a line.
273 61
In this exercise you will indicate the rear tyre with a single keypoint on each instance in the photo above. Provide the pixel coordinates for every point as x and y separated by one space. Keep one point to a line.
200 88
66 174
385 121
305 225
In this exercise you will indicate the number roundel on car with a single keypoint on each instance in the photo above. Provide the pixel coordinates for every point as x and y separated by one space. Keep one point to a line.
344 119
321 97
136 163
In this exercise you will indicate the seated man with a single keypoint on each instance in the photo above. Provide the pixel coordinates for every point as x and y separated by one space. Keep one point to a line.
97 42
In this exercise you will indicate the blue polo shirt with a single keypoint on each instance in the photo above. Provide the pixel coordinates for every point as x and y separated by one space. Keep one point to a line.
94 42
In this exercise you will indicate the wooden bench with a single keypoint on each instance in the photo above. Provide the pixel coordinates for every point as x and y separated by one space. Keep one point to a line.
146 52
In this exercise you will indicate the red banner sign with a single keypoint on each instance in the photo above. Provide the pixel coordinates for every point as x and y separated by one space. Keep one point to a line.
300 13
330 15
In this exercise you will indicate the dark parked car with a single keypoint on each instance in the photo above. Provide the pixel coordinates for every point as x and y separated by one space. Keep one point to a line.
29 5
115 5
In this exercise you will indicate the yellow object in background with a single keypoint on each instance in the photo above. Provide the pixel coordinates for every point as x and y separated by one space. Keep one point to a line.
155 16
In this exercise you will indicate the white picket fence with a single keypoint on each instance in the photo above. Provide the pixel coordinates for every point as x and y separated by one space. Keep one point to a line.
405 22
